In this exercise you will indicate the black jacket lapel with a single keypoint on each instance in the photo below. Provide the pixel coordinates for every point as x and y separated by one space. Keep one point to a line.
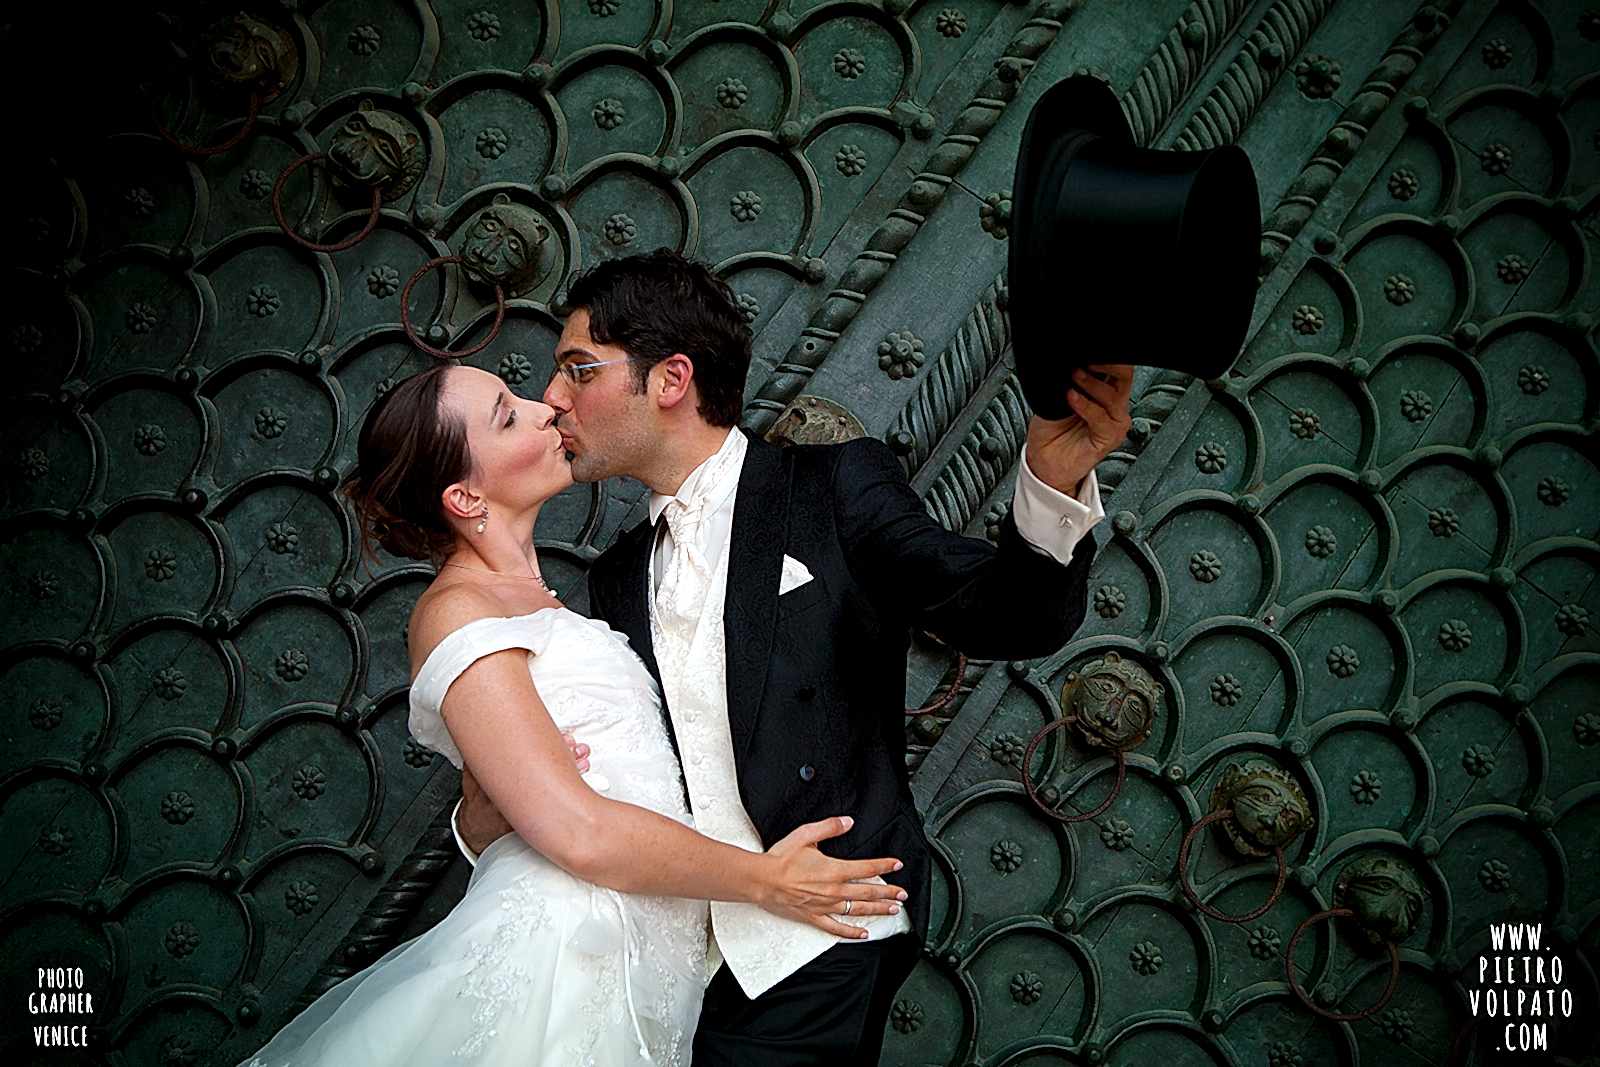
755 565
627 597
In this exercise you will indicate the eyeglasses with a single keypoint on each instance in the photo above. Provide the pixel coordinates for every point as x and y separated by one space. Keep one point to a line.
578 373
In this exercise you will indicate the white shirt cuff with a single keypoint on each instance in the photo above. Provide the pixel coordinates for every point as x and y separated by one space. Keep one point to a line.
1050 520
462 845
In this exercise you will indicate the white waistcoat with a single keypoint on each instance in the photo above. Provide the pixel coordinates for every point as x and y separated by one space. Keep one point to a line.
761 949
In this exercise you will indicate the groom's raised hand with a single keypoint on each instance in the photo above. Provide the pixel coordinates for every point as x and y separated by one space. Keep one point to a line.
1062 452
480 822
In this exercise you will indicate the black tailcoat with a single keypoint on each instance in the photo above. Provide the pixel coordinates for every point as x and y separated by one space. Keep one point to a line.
817 677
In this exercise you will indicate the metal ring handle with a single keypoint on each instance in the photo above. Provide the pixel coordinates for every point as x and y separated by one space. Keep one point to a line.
215 150
411 334
288 231
1338 1016
1194 897
945 699
1027 780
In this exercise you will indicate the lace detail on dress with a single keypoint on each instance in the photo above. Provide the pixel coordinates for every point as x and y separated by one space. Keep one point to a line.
604 1009
677 1039
493 980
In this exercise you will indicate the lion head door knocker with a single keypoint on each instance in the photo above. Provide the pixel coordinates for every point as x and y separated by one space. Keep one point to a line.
374 151
815 420
1109 703
1385 898
1260 809
503 249
243 54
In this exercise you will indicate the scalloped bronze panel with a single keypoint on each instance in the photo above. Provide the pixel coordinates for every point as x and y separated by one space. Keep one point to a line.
1366 558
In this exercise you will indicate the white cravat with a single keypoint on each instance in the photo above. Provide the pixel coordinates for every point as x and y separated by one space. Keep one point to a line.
706 495
710 486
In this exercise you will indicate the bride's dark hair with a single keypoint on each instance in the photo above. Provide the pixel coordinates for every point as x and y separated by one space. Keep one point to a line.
409 449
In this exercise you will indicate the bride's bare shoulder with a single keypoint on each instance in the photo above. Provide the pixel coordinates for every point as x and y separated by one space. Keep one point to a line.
443 608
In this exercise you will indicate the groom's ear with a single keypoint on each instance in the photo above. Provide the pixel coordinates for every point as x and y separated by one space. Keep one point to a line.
671 380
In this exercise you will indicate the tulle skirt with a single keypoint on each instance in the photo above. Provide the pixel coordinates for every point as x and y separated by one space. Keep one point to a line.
533 966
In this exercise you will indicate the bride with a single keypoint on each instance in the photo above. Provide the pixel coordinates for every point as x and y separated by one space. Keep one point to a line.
582 937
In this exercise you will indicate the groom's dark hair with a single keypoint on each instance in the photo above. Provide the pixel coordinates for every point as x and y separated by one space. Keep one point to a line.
657 303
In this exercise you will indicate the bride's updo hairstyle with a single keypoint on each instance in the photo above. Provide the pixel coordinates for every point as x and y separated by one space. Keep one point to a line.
409 449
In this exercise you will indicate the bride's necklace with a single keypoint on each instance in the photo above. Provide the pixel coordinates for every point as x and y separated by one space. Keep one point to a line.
524 577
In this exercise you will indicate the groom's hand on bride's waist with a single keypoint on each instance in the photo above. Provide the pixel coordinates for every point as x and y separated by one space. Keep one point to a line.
479 821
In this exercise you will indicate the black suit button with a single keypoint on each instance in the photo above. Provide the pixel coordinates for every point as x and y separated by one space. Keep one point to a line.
807 772
806 692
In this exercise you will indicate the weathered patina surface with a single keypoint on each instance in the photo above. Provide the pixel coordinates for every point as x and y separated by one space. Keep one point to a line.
1354 581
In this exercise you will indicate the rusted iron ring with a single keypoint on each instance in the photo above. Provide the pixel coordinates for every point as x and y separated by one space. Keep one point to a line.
1194 897
945 699
288 231
1027 780
215 150
440 353
1337 1016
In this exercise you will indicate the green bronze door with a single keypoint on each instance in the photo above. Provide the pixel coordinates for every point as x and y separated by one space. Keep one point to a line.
1344 608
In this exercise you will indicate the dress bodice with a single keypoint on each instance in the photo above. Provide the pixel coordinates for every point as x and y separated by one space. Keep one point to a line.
592 684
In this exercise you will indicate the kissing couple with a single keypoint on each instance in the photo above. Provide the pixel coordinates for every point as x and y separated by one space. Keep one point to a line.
689 814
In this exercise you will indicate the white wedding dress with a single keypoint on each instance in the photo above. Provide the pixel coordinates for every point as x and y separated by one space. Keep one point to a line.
533 966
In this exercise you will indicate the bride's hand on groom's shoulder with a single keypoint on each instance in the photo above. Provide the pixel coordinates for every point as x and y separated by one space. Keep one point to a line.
480 822
810 887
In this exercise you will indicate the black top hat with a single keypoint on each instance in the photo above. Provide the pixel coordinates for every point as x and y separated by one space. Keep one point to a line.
1122 254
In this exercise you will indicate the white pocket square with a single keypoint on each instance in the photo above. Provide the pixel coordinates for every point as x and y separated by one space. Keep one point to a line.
794 575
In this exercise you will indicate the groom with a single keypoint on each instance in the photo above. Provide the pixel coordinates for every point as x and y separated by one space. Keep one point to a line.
773 595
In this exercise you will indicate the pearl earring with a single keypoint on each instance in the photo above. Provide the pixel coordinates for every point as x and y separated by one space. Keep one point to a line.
485 520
